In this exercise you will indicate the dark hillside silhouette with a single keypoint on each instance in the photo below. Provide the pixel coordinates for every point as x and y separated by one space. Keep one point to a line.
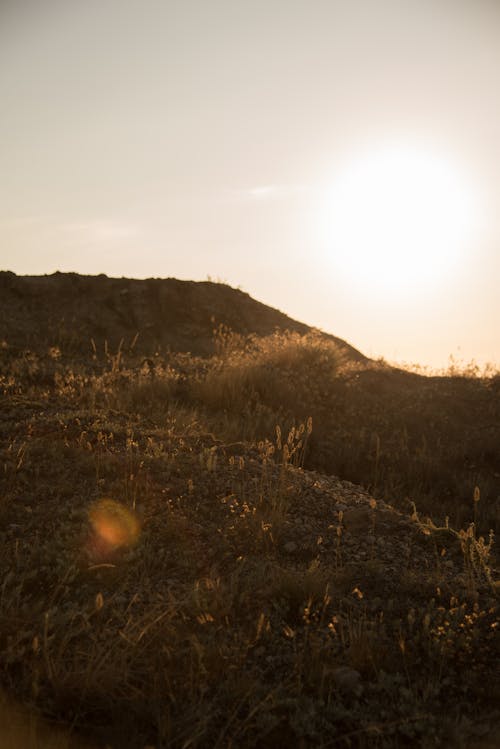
68 309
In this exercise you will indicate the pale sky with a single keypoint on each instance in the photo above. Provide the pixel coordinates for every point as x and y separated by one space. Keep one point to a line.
338 160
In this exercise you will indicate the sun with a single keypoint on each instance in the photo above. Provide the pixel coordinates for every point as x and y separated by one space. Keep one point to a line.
397 220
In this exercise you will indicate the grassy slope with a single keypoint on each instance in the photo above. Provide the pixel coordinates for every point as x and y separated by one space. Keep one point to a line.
261 603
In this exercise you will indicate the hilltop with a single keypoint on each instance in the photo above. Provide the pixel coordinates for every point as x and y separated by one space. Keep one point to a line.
70 310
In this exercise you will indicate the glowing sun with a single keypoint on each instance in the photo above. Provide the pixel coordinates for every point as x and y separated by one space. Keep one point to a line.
398 219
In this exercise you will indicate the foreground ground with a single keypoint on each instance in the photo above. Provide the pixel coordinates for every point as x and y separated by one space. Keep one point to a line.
172 575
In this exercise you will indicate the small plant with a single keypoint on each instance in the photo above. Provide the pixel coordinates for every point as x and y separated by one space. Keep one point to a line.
476 551
477 554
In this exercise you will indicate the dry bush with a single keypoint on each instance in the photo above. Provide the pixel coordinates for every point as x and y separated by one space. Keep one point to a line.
285 373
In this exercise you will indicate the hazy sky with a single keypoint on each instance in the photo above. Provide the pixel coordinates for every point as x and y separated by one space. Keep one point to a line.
337 159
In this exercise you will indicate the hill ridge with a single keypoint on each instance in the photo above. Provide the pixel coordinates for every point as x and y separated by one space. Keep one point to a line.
69 309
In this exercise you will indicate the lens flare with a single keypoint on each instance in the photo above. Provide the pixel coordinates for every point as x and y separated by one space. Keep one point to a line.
113 526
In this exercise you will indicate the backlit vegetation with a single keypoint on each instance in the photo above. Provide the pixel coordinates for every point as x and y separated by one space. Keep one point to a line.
185 563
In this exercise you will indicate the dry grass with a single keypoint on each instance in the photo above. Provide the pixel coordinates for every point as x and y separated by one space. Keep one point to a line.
217 598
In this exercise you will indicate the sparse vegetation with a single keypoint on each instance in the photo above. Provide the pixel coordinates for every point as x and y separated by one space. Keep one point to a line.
234 589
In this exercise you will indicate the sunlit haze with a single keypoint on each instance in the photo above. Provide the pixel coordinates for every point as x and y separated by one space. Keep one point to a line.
337 160
398 221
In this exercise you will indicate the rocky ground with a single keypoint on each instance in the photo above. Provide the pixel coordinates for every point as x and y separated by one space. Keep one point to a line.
230 598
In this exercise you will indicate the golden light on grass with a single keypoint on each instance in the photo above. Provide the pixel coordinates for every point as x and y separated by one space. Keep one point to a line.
114 526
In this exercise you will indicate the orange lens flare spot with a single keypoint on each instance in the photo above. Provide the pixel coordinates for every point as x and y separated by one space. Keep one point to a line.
114 524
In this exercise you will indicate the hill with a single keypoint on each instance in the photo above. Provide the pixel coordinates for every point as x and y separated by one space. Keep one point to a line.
239 532
69 310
